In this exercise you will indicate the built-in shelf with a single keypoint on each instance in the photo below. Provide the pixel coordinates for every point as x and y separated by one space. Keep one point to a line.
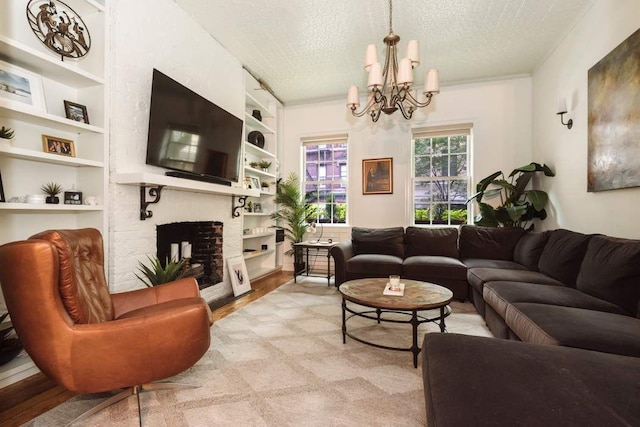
254 123
42 157
256 235
29 114
257 151
38 207
259 172
257 214
256 254
150 179
253 104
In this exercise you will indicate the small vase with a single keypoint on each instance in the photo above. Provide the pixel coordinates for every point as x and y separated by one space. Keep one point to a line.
256 115
52 200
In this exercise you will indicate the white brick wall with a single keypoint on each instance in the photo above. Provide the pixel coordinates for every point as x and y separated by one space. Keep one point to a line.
169 40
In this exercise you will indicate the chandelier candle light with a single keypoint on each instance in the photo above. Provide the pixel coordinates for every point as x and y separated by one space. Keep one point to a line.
390 87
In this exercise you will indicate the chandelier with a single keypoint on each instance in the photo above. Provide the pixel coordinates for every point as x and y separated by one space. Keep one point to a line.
389 88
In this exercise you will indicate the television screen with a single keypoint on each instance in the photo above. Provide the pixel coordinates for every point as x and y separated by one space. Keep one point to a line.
190 134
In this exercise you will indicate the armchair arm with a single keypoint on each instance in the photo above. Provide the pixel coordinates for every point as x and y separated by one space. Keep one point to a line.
148 345
341 253
124 302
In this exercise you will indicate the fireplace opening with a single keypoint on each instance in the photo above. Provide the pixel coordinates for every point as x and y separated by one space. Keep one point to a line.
205 237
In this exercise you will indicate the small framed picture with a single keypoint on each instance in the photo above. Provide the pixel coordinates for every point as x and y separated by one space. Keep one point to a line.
76 112
377 176
19 87
73 197
239 276
255 183
55 145
2 199
257 207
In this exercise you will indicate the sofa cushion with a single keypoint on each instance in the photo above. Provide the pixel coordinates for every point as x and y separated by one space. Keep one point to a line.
563 254
384 241
471 381
374 265
529 249
492 263
431 241
500 294
433 267
477 277
488 242
575 327
611 271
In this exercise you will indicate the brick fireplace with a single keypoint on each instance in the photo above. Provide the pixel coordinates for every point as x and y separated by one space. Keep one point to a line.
205 238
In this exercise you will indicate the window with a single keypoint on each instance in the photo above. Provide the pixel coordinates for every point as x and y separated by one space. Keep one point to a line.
441 175
326 172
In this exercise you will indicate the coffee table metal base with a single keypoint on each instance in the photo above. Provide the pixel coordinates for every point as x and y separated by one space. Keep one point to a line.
415 320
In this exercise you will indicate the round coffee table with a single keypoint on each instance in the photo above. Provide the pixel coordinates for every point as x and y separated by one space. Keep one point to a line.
418 296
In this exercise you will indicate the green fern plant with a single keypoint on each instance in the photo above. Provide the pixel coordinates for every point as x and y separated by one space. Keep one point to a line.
157 274
6 133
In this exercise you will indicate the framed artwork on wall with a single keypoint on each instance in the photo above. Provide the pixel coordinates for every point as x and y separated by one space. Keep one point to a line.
614 119
19 87
239 276
377 176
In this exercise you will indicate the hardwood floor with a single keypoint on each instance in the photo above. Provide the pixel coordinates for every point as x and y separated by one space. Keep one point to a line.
25 400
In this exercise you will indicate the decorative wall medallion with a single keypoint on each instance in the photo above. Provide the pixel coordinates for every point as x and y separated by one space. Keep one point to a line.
59 27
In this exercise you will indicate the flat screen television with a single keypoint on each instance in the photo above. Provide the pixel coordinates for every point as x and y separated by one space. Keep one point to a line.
191 135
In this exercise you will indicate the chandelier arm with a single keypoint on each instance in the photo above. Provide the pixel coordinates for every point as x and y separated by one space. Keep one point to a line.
406 114
417 103
375 99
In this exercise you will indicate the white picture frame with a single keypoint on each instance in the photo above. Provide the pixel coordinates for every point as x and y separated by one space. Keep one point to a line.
238 275
20 88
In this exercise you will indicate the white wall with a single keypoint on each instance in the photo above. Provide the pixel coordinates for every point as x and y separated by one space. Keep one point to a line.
564 74
169 40
499 110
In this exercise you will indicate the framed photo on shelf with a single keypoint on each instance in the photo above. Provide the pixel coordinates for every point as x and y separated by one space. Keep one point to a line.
2 199
55 145
255 183
73 197
19 87
377 176
239 276
257 207
76 112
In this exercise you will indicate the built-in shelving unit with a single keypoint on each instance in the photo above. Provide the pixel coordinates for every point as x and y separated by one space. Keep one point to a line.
24 164
259 239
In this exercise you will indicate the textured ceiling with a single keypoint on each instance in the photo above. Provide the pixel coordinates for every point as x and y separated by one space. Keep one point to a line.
313 49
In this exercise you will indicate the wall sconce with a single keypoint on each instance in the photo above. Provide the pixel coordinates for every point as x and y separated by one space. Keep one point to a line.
562 109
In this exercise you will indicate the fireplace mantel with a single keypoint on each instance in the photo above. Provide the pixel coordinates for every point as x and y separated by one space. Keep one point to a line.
156 183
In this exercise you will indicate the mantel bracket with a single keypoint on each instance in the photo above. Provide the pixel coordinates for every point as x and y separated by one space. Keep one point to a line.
242 200
144 203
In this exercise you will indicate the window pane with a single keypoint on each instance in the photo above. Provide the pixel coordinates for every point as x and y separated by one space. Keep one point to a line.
440 191
441 145
423 146
458 191
439 166
458 165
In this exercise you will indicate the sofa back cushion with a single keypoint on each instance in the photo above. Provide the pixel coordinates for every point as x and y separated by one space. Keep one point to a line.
488 242
611 271
383 241
563 254
529 249
431 242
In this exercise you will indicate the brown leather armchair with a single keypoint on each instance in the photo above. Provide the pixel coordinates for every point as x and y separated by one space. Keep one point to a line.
83 337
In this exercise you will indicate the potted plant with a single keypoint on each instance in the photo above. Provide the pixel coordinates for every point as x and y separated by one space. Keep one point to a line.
294 213
254 165
264 185
157 274
9 347
518 206
264 165
52 189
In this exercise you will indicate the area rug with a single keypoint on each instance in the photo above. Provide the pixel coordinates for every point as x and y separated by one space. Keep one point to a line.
280 361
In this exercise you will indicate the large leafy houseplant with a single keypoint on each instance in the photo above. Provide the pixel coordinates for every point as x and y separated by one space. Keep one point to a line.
294 209
518 206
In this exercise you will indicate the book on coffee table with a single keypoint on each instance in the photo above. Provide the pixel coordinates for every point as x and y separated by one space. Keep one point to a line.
389 291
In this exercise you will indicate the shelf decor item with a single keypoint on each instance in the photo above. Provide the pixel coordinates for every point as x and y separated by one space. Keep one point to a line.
59 28
19 87
76 112
52 190
256 115
377 176
264 165
2 199
55 145
73 197
239 276
256 138
6 133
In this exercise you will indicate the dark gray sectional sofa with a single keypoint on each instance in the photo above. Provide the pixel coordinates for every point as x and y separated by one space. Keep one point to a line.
551 290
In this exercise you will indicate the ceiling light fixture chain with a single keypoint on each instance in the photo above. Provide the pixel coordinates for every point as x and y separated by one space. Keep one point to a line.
390 87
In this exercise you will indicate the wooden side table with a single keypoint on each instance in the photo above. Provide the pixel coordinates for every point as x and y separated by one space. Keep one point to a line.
303 249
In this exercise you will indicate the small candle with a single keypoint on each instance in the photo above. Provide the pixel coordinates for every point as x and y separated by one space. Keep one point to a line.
174 252
187 251
183 247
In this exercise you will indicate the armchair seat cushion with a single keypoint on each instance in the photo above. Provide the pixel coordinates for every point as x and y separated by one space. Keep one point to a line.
434 267
374 265
575 327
